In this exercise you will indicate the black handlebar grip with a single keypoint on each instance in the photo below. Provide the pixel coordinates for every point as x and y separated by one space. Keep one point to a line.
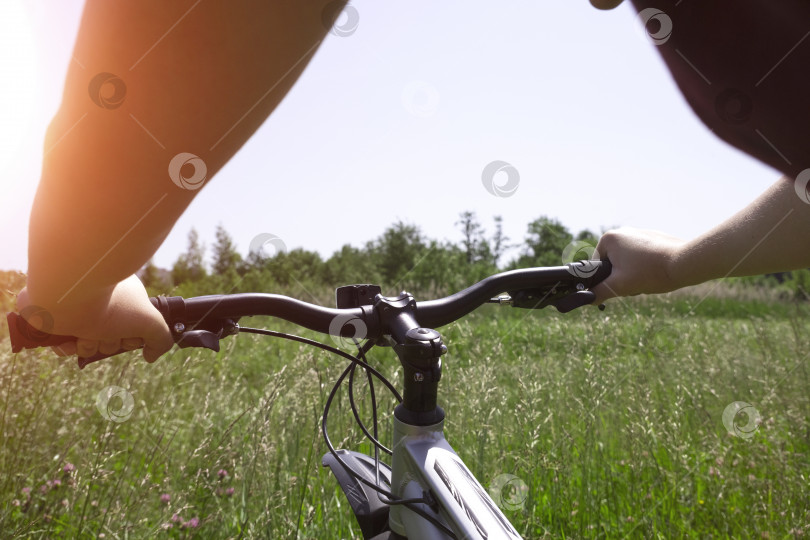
605 268
24 336
96 357
601 274
590 273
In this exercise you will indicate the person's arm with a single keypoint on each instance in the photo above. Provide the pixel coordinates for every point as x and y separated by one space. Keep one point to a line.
187 77
766 236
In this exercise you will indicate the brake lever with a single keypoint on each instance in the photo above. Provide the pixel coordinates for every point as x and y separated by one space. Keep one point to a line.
200 338
564 299
573 301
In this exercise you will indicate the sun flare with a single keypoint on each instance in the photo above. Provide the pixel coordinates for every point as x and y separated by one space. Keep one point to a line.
17 80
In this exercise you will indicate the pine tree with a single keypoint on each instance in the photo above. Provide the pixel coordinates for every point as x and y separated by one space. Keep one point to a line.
225 256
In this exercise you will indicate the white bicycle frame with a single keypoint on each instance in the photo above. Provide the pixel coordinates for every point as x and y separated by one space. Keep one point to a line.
424 461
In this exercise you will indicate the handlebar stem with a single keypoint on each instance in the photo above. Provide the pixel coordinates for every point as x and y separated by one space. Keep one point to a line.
419 350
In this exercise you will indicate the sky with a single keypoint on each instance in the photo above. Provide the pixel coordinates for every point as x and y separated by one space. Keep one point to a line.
399 117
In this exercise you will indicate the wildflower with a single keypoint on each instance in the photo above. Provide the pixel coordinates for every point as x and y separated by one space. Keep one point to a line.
222 473
165 498
43 488
56 483
176 518
69 467
65 503
193 523
15 502
166 526
229 492
26 491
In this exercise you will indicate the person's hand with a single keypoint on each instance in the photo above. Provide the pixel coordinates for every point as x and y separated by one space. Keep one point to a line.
641 262
121 317
605 4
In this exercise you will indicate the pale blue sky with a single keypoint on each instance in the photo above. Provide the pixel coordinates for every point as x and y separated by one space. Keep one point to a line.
577 100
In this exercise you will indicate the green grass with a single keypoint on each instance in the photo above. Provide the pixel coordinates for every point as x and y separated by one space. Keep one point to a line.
612 420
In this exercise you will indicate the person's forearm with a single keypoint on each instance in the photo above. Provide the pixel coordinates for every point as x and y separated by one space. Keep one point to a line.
195 78
769 235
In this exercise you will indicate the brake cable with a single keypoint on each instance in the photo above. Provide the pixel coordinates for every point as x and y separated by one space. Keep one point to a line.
355 361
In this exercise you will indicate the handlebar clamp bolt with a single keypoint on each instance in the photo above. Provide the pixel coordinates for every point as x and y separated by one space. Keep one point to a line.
418 376
179 327
580 286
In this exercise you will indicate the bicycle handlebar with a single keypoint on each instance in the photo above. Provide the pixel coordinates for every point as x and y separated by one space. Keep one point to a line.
202 321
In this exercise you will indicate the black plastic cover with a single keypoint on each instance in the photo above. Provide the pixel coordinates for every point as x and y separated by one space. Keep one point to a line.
370 511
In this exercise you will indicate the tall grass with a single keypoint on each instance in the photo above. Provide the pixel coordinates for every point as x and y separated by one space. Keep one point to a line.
610 423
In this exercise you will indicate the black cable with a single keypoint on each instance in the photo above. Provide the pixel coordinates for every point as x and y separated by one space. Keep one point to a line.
331 396
361 352
325 347
373 438
392 499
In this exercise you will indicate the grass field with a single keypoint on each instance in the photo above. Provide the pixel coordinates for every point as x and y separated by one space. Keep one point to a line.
613 422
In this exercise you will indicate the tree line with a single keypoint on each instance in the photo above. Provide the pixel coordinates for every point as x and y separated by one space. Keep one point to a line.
402 257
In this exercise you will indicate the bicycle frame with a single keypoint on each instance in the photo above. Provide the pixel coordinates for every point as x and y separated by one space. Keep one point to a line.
423 460
424 465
